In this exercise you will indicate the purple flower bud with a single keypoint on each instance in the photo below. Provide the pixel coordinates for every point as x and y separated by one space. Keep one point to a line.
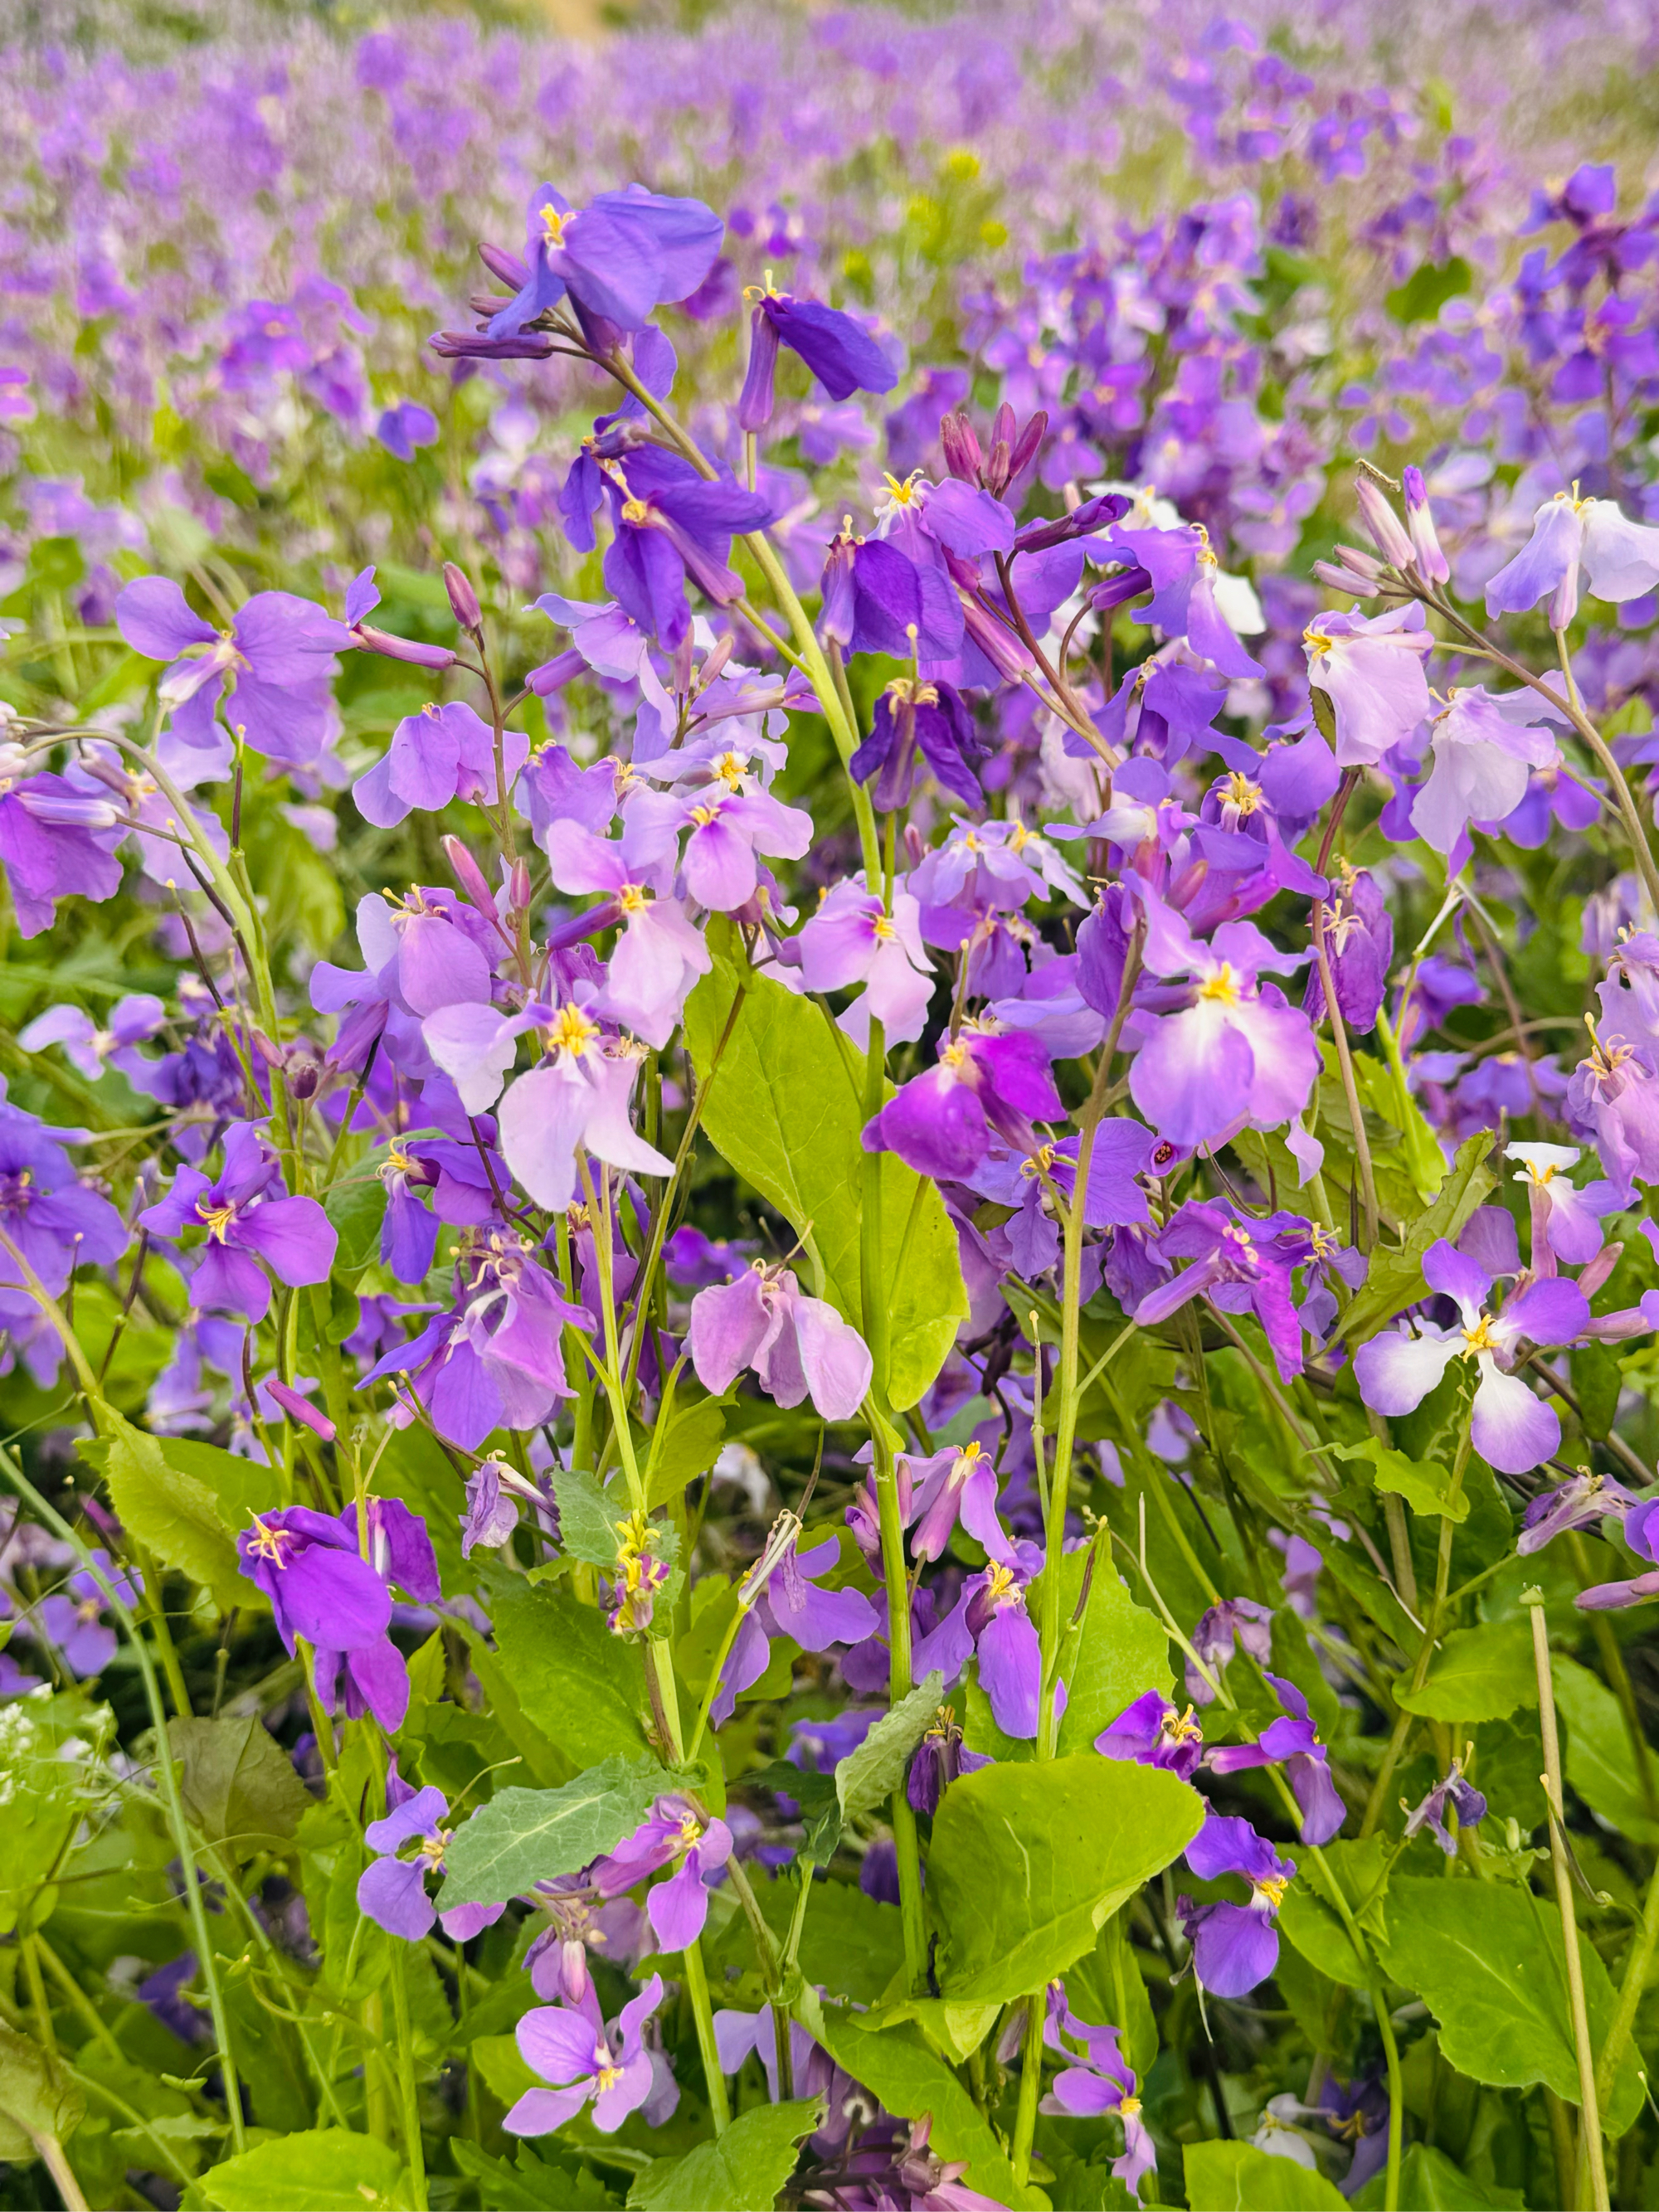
1431 562
462 596
1380 519
960 446
298 1409
403 648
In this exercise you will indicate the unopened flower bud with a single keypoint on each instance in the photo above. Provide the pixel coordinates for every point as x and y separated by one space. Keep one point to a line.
1431 563
1377 510
403 649
716 662
297 1409
961 448
553 675
1024 449
518 887
1593 1277
475 887
505 267
462 598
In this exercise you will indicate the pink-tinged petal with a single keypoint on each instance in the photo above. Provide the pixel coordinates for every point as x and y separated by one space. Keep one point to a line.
582 862
719 866
678 1908
1552 1311
438 965
559 2045
541 1122
1396 1372
1011 1671
1192 1077
625 2095
731 1325
638 2009
1512 1431
610 1134
392 1893
538 2112
1456 1276
476 1045
1621 557
1547 562
834 1357
1285 1057
463 1921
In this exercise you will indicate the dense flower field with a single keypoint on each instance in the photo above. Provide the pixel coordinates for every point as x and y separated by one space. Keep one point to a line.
830 1032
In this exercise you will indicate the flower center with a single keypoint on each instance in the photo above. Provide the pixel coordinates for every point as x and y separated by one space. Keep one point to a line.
1000 1587
554 225
1128 2107
633 898
1222 986
637 512
1181 1727
1270 1891
269 1543
572 1031
904 493
217 1218
1479 1338
1241 793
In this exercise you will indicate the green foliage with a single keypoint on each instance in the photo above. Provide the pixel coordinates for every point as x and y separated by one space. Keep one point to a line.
1478 1674
522 1836
741 2171
582 1688
1235 2176
36 2097
785 1106
870 1774
238 1784
176 1517
319 2170
1425 1487
1028 1861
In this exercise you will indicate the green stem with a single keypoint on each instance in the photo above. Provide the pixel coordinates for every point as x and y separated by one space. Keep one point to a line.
169 1787
696 1988
413 2149
1031 2086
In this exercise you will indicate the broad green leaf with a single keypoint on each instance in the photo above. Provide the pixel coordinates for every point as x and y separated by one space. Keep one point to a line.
1598 1379
1028 1861
1312 1922
1429 2182
34 2101
1427 290
588 1514
1478 1674
322 2170
908 2078
690 1446
581 1687
173 1516
356 1206
741 2171
868 1776
786 1108
238 1783
1394 1278
522 1836
1599 1765
531 2183
851 1944
502 2065
1122 1651
1236 2177
1423 1486
819 1798
1486 1959
240 1487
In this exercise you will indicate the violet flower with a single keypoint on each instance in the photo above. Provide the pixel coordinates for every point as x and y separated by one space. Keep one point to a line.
1613 1097
1292 1742
1642 1534
1235 1622
1618 558
293 1236
271 673
1512 1430
557 1960
132 1021
1151 1733
391 1890
839 351
440 754
853 939
1234 1947
941 1123
990 1621
73 1620
941 1758
1238 1270
951 1484
578 1099
1482 752
799 1346
1582 1502
54 842
1370 668
1465 1800
624 254
779 1596
1103 2082
1359 945
657 955
912 717
1566 1222
673 1836
319 1587
670 523
608 2069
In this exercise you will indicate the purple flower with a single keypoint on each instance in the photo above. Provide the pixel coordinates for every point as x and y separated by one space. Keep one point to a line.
391 1890
1184 570
670 523
657 955
779 1596
132 1020
271 673
673 1836
1103 2082
622 255
1221 1632
1512 1430
951 1485
401 428
1642 1534
1151 1733
441 754
1359 945
1234 1947
74 1621
293 1236
1292 1742
839 351
941 1758
610 2070
851 938
577 1098
1010 1655
557 1960
1482 751
1582 1502
1238 1270
1566 1222
913 717
1619 560
798 1346
1465 1800
1237 1055
1613 1097
319 1586
54 842
1370 668
941 1123
55 1222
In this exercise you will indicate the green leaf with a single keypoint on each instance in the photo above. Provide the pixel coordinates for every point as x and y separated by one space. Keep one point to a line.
582 1687
522 1836
1395 1278
505 2073
1312 1924
238 1783
907 2077
1427 290
240 1487
1597 1379
173 1516
1429 2180
1236 2177
530 2183
867 1777
688 1447
786 1108
356 1206
322 2170
1422 1485
741 2171
1478 1674
1121 1652
1027 1862
1486 1959
588 1514
33 2100
1599 1759
819 1800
